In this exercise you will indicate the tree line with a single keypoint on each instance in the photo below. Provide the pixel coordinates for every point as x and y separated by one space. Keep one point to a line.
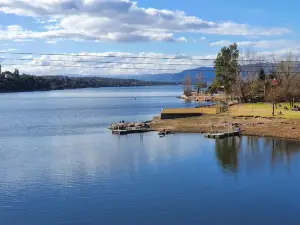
244 76
14 82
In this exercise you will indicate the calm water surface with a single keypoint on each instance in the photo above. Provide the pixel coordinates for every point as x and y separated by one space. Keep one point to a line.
60 165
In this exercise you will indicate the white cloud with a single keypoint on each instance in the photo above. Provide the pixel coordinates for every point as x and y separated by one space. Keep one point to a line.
101 64
203 38
52 42
280 54
23 40
14 28
221 43
182 39
8 50
116 20
122 63
12 49
262 44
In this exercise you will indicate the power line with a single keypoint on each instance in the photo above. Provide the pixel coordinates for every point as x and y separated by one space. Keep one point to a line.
104 62
124 62
138 68
182 57
99 67
102 56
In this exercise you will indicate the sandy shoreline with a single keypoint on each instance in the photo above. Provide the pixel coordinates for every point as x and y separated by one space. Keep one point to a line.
252 126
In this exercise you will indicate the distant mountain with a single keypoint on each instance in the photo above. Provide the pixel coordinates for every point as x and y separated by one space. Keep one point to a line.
207 73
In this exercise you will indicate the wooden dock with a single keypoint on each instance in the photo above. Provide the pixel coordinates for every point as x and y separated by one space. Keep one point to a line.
222 135
131 131
119 132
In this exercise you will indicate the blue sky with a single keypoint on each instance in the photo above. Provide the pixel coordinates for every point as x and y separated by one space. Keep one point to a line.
146 27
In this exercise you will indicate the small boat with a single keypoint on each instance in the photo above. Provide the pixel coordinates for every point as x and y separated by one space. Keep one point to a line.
163 133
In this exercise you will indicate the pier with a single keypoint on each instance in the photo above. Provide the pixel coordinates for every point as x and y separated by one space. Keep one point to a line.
131 131
222 135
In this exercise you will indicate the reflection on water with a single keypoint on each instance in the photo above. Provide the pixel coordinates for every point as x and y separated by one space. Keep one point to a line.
60 165
227 153
254 152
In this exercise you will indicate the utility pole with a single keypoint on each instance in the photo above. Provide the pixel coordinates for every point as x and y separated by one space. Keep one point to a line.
265 83
274 84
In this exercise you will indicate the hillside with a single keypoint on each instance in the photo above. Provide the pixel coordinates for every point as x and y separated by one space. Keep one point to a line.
207 73
11 82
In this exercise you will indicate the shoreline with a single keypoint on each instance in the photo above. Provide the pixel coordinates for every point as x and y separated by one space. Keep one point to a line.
82 88
250 126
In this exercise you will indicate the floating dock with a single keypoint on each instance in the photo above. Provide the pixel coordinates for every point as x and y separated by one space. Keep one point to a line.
131 131
222 135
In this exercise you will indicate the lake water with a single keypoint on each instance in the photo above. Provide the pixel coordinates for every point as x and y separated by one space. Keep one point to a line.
60 165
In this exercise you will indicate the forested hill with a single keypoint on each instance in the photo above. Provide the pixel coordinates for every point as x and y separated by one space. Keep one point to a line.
13 82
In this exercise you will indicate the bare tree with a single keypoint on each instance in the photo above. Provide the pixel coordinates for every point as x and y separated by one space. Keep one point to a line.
287 75
246 82
200 83
187 85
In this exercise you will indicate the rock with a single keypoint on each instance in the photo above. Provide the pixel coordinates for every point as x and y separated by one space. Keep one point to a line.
117 126
130 125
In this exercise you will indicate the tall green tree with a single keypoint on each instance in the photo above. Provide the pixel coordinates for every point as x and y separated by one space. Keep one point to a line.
214 87
227 67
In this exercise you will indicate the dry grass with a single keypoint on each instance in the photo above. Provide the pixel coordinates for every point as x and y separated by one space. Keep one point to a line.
262 109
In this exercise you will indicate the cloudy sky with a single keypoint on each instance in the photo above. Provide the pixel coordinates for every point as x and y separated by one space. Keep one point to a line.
154 30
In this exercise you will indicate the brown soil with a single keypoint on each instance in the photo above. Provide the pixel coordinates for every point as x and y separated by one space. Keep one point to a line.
257 126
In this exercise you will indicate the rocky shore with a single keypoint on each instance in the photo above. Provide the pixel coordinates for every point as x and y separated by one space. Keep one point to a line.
200 97
128 125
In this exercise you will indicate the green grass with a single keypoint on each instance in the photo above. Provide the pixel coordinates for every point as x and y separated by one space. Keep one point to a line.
263 109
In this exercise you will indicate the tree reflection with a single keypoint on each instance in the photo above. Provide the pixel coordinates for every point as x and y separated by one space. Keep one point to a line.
227 153
283 151
254 152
